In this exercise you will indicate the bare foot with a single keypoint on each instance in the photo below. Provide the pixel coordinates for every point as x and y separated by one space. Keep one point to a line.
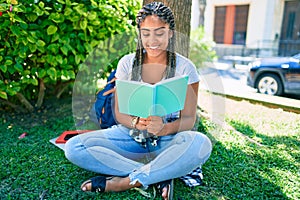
165 191
118 184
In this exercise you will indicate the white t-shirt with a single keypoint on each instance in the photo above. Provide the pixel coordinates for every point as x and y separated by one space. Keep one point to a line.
183 67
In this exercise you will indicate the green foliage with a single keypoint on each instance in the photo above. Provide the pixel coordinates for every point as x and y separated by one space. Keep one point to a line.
46 41
201 48
93 72
106 57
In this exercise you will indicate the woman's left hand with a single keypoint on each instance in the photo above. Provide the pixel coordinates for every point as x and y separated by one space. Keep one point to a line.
155 125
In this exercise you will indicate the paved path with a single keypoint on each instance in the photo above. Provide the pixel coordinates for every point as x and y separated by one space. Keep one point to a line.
222 79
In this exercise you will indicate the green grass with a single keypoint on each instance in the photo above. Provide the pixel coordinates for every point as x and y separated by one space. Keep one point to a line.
258 160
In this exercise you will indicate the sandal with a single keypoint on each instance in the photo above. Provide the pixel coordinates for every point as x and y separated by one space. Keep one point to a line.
169 184
98 184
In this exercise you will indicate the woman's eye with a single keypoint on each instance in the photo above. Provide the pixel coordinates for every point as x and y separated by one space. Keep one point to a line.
146 35
159 34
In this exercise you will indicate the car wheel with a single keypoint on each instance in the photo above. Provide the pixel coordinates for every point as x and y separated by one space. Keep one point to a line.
269 84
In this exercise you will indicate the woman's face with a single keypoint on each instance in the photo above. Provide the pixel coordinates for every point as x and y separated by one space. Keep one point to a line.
155 35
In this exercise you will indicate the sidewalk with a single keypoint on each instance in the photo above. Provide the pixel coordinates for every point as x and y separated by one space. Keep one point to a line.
214 85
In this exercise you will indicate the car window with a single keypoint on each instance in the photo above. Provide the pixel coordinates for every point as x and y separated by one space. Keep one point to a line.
297 56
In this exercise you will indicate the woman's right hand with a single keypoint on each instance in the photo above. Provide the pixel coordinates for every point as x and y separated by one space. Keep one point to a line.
155 126
142 124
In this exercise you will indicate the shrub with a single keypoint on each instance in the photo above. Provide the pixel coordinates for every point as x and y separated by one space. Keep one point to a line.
42 43
201 48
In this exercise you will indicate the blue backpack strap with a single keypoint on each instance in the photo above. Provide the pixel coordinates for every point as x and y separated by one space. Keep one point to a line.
103 106
111 76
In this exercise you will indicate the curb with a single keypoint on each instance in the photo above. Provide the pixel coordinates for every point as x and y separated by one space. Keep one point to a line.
286 104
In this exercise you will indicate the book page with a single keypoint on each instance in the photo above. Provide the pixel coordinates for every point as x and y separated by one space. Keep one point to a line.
170 96
135 98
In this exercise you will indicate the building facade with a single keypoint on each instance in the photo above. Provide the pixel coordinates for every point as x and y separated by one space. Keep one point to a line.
259 28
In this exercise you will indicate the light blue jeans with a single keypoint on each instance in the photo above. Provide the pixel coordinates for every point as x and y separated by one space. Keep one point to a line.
113 152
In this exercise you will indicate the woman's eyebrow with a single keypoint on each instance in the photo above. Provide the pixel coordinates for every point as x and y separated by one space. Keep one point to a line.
147 29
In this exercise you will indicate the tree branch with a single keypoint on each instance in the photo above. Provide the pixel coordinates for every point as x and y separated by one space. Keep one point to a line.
62 87
14 106
25 102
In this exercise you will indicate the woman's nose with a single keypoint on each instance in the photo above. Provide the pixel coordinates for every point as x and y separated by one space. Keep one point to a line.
152 38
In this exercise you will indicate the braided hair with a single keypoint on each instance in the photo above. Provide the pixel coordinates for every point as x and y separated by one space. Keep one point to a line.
165 14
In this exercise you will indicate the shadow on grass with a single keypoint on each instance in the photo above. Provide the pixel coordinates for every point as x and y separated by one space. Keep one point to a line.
290 144
231 173
248 171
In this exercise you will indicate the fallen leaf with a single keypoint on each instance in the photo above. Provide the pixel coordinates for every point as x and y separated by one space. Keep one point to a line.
22 135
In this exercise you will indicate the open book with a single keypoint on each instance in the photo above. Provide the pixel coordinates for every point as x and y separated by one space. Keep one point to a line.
143 99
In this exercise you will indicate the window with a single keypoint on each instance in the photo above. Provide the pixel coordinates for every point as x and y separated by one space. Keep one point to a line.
230 25
290 25
219 28
291 21
240 24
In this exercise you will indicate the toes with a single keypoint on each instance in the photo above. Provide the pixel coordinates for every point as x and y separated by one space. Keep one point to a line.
86 186
165 193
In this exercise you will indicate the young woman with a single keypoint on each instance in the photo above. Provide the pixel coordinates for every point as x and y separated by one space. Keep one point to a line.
169 148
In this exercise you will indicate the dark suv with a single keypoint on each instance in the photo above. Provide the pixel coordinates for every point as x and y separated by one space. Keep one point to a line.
275 76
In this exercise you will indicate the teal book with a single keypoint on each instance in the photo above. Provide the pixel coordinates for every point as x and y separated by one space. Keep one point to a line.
143 99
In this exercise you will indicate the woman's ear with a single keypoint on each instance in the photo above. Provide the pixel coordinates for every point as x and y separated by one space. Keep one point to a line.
171 33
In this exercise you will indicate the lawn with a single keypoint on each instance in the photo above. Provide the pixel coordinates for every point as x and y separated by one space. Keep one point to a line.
255 156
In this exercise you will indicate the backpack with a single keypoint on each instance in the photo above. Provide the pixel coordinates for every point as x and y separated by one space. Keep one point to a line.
102 109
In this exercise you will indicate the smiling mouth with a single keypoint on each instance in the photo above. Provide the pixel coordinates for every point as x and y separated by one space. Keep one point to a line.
153 47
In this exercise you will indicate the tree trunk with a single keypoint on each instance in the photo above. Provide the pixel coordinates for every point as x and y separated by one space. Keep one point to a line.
25 102
202 6
182 13
41 93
